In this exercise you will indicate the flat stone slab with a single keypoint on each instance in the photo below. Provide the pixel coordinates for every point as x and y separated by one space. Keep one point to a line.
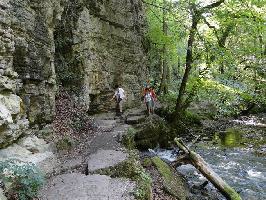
104 116
136 111
120 131
71 163
105 158
77 186
106 124
136 119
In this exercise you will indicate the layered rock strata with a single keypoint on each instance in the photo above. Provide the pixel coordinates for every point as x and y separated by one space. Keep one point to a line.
101 44
85 46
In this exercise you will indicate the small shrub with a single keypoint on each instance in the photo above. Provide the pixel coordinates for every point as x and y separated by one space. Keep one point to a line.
133 170
192 118
128 139
22 180
64 144
147 162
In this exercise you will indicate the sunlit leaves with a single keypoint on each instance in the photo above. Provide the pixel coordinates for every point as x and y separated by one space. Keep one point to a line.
229 48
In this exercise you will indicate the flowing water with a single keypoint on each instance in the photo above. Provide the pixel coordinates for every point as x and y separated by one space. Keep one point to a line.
236 155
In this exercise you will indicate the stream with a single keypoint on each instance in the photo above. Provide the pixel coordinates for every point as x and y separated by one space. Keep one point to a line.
237 155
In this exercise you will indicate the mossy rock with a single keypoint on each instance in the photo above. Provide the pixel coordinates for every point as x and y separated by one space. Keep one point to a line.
147 162
152 132
133 170
232 137
156 131
173 183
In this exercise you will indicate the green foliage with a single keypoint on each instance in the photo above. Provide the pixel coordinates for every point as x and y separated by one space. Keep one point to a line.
64 144
128 139
22 180
173 40
229 98
132 169
192 118
144 189
168 104
228 68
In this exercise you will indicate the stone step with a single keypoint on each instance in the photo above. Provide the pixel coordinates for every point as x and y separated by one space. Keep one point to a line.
120 131
136 119
105 158
106 124
135 112
76 186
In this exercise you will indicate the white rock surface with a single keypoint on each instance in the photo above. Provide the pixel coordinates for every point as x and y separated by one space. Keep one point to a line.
11 102
32 150
77 186
35 144
105 158
5 115
2 196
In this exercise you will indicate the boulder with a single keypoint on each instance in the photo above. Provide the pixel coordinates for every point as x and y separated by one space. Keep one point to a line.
32 150
12 131
6 83
35 144
151 132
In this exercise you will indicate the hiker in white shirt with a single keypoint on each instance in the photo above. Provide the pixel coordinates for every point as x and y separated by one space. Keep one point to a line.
119 97
148 100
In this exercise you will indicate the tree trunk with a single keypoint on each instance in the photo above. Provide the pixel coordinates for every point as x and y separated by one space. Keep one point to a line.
198 162
189 60
164 82
222 42
196 14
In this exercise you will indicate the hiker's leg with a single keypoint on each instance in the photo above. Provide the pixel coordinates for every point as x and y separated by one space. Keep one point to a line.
152 106
117 109
120 106
147 107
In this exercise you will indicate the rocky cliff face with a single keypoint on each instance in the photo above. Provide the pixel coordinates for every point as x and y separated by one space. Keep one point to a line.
85 46
100 44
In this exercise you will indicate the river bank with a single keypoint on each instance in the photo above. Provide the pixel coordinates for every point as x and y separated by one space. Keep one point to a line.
234 149
92 163
107 156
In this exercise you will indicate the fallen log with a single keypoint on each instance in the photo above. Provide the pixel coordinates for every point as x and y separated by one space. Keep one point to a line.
198 162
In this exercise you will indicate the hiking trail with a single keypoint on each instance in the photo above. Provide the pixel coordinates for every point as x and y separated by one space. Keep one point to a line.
78 178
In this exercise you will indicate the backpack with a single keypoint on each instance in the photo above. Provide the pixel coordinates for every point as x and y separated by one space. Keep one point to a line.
147 97
118 97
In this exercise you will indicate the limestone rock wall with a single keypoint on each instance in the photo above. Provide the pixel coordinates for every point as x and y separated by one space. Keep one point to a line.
85 46
27 75
105 40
